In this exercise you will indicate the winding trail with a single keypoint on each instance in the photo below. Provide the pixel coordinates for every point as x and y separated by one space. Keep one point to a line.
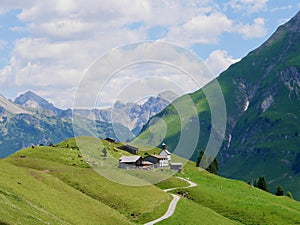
173 203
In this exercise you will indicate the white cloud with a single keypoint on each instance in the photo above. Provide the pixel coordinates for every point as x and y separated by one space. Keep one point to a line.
7 5
158 64
219 60
248 6
255 30
58 65
64 37
62 29
280 8
5 77
201 29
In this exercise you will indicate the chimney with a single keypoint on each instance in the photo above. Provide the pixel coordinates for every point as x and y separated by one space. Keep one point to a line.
163 146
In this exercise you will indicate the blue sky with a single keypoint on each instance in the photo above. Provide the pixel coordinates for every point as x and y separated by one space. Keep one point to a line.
46 46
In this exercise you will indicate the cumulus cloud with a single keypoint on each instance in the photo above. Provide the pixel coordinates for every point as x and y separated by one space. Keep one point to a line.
219 60
255 30
43 62
150 67
201 29
7 5
62 38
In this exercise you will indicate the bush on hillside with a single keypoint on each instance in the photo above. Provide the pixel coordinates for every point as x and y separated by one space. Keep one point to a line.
289 194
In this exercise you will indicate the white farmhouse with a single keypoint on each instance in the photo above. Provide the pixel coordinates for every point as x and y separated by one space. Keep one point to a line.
157 160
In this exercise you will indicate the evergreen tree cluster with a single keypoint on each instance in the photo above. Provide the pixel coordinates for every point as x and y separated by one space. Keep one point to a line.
203 162
262 184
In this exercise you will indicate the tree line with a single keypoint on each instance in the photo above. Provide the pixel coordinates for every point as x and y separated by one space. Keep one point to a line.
211 165
262 184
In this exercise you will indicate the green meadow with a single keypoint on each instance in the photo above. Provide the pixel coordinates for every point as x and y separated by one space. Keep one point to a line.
55 185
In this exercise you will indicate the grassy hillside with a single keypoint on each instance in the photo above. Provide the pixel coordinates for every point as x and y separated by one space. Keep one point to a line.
35 197
63 166
190 212
53 185
238 201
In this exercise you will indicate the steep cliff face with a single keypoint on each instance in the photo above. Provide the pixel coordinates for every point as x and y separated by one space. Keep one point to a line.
264 91
264 111
262 96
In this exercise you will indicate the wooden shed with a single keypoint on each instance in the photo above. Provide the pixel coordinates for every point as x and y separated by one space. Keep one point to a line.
176 166
130 148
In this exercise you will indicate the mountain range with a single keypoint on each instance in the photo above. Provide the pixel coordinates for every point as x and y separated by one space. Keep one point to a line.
262 97
32 120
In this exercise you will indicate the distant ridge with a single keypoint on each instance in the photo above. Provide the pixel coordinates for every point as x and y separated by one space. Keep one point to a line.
32 120
32 100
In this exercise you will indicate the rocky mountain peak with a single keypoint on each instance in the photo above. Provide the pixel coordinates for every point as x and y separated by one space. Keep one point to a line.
32 100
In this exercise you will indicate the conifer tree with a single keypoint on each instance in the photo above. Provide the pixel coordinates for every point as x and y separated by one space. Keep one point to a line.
202 161
213 167
279 191
262 184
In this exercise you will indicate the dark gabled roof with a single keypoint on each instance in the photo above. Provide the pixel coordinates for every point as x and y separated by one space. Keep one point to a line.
131 146
109 139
